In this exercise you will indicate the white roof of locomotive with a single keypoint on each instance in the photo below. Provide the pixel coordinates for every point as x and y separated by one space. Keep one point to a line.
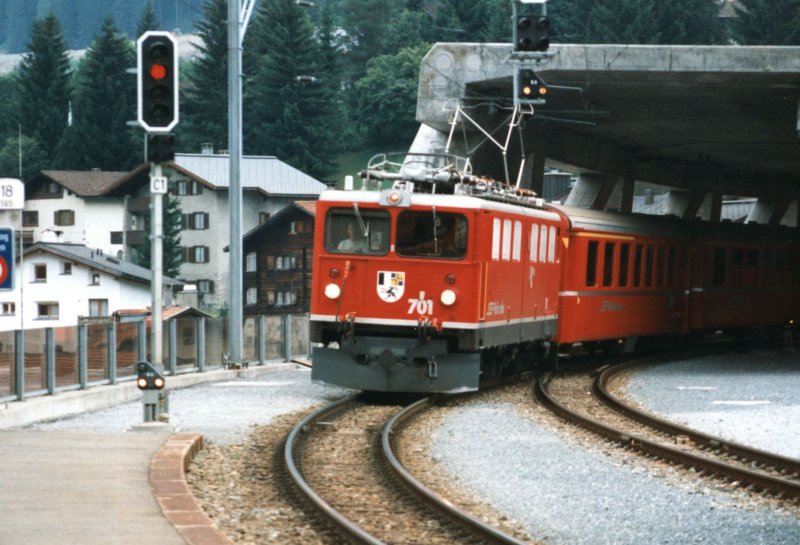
441 200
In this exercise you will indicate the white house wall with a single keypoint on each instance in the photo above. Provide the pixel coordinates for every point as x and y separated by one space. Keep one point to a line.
72 293
95 219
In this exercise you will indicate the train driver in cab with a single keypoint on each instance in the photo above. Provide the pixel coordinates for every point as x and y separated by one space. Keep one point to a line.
353 242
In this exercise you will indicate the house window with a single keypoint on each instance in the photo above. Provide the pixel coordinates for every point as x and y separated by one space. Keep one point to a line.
285 298
197 254
250 262
51 188
66 268
116 237
9 309
205 286
188 187
251 296
30 218
98 307
94 279
47 311
286 262
263 217
195 221
293 228
40 272
64 217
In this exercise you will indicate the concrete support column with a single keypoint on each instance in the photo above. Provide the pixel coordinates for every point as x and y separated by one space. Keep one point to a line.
685 204
592 190
626 204
716 208
761 212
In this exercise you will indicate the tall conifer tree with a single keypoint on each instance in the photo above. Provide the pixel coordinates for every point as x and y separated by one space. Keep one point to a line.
767 22
204 95
147 20
285 109
105 101
44 77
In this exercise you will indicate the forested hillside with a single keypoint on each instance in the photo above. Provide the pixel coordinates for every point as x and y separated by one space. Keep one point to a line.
81 19
322 85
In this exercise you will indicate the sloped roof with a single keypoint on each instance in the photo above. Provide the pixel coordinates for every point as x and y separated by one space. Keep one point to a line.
84 183
265 173
98 260
307 207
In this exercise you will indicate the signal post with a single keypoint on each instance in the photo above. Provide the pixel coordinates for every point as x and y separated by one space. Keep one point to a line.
157 107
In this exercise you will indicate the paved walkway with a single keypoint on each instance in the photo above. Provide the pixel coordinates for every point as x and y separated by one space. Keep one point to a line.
78 488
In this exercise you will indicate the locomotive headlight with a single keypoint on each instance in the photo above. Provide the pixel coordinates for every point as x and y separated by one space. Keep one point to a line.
332 291
448 298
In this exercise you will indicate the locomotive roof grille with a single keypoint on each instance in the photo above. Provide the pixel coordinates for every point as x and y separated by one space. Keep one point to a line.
441 174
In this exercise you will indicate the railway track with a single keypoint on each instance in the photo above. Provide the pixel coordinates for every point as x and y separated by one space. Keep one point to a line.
342 460
585 400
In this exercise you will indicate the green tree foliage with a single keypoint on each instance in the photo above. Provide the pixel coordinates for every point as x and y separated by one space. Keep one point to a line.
767 22
44 78
387 97
204 90
33 158
286 112
105 101
9 105
690 22
147 20
171 252
623 22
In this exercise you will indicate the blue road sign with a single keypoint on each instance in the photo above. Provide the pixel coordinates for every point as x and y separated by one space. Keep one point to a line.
6 258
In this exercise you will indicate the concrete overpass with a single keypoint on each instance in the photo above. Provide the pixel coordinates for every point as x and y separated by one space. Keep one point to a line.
706 121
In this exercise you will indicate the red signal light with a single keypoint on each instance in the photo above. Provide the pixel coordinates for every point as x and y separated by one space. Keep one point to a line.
158 71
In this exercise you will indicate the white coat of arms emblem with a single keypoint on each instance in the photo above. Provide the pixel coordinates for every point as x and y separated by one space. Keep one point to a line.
391 285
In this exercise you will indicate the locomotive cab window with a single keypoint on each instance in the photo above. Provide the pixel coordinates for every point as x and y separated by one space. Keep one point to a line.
431 234
354 231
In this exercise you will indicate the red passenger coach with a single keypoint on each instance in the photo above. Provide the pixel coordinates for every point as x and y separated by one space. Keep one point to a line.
744 275
427 292
624 276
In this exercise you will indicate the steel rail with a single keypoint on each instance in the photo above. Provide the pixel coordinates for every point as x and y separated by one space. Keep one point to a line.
710 442
458 515
294 442
758 480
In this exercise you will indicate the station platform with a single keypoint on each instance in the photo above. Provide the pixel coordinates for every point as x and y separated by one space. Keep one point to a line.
79 482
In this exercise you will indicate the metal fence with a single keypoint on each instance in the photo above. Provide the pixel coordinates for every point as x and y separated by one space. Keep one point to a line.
79 357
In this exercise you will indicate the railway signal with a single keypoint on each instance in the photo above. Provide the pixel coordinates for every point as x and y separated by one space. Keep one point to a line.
148 377
157 81
532 33
531 89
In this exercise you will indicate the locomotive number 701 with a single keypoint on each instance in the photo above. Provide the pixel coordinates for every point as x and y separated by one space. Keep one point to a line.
420 306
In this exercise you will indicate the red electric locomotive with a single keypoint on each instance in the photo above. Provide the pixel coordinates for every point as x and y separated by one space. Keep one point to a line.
444 278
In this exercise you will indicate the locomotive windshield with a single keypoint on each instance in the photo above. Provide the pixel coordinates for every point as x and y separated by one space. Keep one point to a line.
357 231
431 234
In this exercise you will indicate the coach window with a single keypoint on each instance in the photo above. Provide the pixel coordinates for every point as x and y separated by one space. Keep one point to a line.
534 242
357 231
543 244
736 266
671 252
551 246
637 267
438 235
608 264
591 263
718 270
624 257
648 266
768 267
751 266
516 253
660 266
